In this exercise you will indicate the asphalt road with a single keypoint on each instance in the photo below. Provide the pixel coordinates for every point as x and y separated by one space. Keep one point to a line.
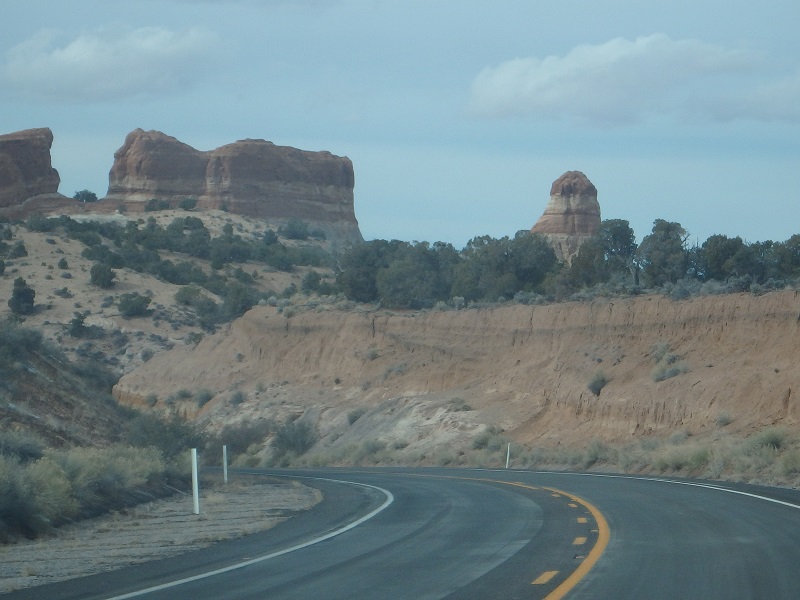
465 534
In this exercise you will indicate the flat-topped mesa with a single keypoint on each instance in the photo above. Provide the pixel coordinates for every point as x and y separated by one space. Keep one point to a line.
250 177
25 166
572 215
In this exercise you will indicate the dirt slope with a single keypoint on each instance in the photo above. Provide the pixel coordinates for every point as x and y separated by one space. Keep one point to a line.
438 378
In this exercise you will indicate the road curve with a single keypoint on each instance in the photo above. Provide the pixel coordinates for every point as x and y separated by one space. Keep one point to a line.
470 534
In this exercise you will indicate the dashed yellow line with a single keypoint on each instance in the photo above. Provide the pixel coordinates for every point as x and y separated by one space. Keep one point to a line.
589 561
572 505
579 541
603 537
544 578
583 520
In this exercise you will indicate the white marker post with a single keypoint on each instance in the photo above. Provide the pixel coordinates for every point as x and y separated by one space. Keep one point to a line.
195 486
508 455
225 463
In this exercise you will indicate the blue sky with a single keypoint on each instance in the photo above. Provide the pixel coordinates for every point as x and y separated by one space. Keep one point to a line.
458 116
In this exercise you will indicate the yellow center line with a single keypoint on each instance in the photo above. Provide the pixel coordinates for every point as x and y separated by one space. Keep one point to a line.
583 520
544 577
579 541
603 532
603 537
572 505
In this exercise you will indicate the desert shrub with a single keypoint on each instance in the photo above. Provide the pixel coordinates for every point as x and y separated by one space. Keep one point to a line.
187 203
369 449
102 275
678 458
23 446
18 250
16 342
203 397
679 437
133 305
724 418
16 503
52 492
597 382
102 477
667 364
294 229
397 369
241 437
355 415
596 452
790 463
172 437
237 398
773 438
295 437
22 298
489 440
154 204
662 372
63 264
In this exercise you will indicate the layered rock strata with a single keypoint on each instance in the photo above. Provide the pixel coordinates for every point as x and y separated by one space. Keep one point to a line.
25 167
571 216
250 177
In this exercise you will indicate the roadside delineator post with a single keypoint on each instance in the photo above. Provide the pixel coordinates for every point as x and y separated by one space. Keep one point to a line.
508 455
195 486
225 463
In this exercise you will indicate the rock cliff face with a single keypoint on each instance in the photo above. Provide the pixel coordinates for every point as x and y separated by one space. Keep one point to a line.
250 177
572 215
525 369
25 168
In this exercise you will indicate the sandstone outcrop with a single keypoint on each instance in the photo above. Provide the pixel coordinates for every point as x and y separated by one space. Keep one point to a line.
250 177
571 216
25 167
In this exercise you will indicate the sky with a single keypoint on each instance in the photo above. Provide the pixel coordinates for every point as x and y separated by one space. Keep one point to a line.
457 114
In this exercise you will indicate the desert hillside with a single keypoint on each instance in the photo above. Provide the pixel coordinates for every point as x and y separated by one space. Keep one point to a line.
438 379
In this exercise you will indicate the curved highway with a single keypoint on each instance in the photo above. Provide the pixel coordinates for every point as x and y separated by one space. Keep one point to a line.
471 534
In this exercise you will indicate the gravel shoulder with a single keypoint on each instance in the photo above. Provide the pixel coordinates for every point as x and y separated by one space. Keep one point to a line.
152 531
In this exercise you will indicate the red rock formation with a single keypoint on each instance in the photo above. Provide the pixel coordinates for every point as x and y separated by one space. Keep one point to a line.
571 216
250 177
25 167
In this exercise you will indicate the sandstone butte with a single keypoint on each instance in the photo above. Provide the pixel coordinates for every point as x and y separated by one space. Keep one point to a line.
571 216
250 177
522 368
25 167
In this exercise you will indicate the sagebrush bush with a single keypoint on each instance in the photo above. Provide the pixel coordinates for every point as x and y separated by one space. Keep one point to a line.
772 437
295 437
597 382
355 414
21 445
203 397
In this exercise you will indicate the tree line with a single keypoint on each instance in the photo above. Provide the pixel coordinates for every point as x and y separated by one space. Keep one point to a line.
524 267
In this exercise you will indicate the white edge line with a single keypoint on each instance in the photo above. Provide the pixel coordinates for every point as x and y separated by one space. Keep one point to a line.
252 561
709 486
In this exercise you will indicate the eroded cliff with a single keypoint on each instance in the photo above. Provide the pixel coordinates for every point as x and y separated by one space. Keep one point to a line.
525 369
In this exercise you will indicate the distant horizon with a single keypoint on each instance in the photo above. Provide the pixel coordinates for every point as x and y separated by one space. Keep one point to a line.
457 117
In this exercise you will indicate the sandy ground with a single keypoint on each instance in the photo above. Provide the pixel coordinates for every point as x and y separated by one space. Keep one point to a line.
151 531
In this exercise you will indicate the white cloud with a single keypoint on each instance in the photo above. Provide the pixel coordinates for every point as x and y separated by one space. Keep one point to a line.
622 81
108 64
